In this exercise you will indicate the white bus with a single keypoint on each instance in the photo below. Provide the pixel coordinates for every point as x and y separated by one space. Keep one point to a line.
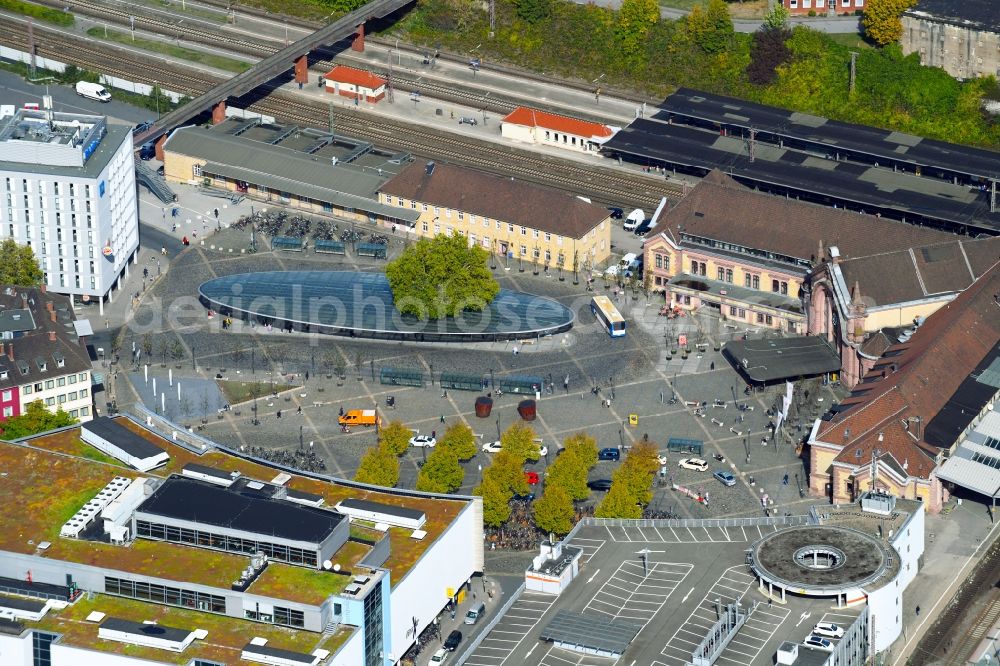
607 314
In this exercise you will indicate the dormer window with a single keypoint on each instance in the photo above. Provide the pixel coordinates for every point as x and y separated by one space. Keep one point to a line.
3 374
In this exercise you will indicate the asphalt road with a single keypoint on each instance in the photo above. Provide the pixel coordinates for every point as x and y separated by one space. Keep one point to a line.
15 90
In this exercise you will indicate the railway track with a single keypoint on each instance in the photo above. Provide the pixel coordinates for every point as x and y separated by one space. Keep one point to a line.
960 651
940 644
150 20
602 184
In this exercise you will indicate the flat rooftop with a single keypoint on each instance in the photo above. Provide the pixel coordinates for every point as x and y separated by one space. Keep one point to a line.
201 502
46 479
225 640
770 359
817 131
816 178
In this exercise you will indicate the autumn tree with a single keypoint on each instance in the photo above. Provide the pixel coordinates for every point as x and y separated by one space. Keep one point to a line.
881 20
635 18
379 467
618 503
18 265
395 438
441 473
554 510
496 501
508 472
571 467
711 27
36 418
460 439
519 441
441 277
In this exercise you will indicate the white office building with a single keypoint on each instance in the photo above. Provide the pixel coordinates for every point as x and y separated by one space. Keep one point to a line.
67 183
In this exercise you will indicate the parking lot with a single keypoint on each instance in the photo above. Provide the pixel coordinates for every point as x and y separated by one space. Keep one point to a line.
675 596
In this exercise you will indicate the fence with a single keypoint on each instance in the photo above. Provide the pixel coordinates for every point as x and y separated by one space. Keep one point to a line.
783 521
171 431
471 646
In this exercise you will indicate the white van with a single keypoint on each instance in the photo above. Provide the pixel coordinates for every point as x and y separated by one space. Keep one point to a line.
634 219
475 614
92 91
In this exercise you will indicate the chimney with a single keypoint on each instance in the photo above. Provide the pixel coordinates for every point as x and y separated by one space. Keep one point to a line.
52 314
10 351
43 288
880 437
52 336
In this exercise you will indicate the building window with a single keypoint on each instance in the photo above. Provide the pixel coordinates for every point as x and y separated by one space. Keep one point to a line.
49 383
461 215
729 275
61 381
524 250
8 412
196 170
50 402
85 411
41 648
721 272
7 395
659 261
548 256
510 228
289 617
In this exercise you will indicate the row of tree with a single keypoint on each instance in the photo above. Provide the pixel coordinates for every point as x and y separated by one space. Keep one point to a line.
631 483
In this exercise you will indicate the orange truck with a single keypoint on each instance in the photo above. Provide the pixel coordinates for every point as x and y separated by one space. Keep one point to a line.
365 417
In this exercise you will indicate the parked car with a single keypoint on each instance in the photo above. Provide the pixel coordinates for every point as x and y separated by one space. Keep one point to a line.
697 464
355 417
93 91
143 126
423 440
543 450
438 657
662 459
634 219
724 477
818 642
492 447
599 484
526 497
147 151
161 171
610 453
467 120
643 227
616 212
828 629
453 640
531 478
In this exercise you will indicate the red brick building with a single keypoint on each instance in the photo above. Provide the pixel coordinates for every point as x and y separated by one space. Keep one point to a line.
356 84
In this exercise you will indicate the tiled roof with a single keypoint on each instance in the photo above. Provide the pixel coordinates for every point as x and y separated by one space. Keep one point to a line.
916 378
357 77
504 199
24 356
721 209
921 272
529 117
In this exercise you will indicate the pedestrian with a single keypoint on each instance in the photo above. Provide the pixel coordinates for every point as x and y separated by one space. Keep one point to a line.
442 418
434 434
163 251
341 411
769 602
918 611
299 410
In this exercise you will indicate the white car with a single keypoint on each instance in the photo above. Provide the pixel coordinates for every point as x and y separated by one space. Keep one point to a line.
492 447
818 642
439 657
697 464
662 459
543 450
423 440
828 629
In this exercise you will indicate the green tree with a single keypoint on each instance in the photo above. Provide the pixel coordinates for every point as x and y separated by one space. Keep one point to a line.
395 438
582 446
570 469
36 419
441 277
618 503
776 18
881 20
554 510
532 11
496 501
18 266
379 467
635 475
460 439
507 471
635 18
711 28
441 473
519 441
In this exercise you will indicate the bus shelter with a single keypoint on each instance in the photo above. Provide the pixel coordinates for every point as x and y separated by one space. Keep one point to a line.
681 445
401 377
530 384
329 247
377 250
288 243
461 382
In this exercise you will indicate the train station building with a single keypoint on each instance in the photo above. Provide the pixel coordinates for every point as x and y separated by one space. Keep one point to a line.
303 169
519 222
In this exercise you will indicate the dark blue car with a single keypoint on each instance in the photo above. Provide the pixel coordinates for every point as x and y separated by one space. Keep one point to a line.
609 454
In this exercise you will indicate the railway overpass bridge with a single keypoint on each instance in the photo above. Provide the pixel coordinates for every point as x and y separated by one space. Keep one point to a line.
294 55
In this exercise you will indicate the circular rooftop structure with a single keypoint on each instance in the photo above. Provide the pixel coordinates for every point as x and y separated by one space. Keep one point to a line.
823 560
360 304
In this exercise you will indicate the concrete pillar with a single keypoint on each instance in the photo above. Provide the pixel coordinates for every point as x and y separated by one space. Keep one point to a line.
782 595
159 147
358 43
126 270
302 69
100 304
219 112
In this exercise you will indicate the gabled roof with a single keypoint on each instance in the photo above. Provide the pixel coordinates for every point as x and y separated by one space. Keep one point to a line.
719 208
917 378
529 117
505 199
357 77
926 271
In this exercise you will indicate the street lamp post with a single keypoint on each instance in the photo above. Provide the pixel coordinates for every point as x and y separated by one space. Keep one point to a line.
498 427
